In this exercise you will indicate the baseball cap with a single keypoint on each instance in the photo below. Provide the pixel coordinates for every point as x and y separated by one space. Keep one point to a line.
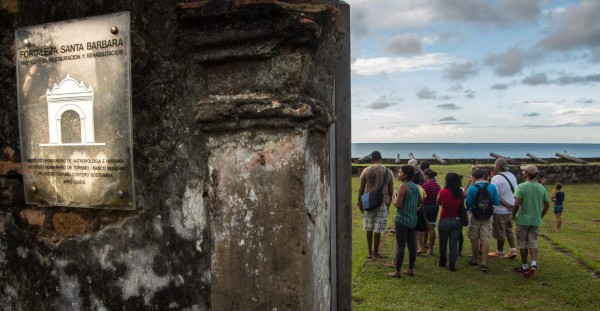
530 168
501 162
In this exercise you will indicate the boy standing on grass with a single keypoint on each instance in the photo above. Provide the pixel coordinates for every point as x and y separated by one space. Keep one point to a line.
558 196
480 225
531 205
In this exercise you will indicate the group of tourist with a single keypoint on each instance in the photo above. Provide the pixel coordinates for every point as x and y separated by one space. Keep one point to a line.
491 205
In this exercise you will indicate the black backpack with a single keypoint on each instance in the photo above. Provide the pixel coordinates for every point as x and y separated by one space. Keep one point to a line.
483 208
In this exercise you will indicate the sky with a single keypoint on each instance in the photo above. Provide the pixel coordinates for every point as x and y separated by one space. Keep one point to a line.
496 71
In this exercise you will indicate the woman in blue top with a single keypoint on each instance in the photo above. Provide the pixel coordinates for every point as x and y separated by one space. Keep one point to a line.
558 196
406 203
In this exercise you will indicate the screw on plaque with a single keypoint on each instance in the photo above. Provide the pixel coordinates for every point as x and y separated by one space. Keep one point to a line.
122 194
114 30
33 189
26 42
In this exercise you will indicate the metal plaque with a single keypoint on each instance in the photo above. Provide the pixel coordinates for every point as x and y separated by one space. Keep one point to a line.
74 94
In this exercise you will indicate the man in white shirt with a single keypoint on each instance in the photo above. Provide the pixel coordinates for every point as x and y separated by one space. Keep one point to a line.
506 183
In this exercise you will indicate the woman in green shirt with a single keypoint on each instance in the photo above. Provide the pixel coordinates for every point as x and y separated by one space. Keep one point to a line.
406 203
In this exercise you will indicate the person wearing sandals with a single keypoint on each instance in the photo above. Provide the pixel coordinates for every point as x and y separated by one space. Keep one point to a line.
406 202
373 177
449 227
502 226
531 205
432 208
479 231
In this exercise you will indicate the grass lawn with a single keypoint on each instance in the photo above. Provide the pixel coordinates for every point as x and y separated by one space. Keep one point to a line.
565 279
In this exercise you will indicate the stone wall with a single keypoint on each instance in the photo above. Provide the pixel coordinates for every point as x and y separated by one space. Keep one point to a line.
566 174
232 103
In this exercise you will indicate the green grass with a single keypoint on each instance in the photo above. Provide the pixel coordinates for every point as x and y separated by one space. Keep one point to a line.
561 283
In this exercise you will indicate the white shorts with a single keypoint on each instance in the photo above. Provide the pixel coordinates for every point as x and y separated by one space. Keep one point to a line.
376 220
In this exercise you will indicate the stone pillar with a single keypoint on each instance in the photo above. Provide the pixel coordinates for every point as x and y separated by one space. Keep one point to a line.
232 106
266 111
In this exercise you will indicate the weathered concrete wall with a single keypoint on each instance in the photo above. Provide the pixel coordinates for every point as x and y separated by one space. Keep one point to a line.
231 105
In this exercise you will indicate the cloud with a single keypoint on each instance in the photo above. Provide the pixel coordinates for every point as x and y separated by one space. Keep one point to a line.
585 101
435 131
512 61
377 105
461 71
570 124
564 79
536 79
531 114
450 106
500 86
575 27
455 88
404 44
469 93
441 37
388 65
485 12
570 79
359 27
381 103
595 56
448 119
426 93
568 112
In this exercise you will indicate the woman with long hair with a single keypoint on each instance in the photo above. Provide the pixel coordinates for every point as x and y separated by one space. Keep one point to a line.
406 202
451 198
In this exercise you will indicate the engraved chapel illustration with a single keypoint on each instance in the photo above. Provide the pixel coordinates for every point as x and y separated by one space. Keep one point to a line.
69 95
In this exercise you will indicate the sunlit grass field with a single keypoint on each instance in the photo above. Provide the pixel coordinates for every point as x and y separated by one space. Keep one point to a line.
566 279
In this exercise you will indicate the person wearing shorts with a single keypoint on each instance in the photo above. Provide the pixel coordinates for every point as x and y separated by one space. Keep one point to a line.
506 182
558 196
531 205
375 221
480 230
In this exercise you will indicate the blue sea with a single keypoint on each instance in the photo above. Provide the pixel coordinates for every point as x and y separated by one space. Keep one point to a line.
474 150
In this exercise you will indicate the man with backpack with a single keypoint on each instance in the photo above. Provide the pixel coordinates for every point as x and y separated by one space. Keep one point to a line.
506 183
531 205
375 178
481 198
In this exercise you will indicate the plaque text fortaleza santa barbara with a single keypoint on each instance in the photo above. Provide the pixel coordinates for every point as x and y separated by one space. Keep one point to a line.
74 91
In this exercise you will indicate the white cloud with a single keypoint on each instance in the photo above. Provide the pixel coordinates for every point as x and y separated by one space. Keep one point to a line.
429 131
500 116
388 65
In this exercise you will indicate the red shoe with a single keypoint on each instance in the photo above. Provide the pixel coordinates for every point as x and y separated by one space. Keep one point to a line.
496 255
529 273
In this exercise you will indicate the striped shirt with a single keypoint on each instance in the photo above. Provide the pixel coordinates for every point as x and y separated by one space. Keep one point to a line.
407 213
431 189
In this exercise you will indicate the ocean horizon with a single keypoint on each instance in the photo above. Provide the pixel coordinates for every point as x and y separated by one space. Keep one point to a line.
475 150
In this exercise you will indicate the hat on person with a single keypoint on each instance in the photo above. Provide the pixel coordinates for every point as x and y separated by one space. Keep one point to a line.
501 162
530 168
